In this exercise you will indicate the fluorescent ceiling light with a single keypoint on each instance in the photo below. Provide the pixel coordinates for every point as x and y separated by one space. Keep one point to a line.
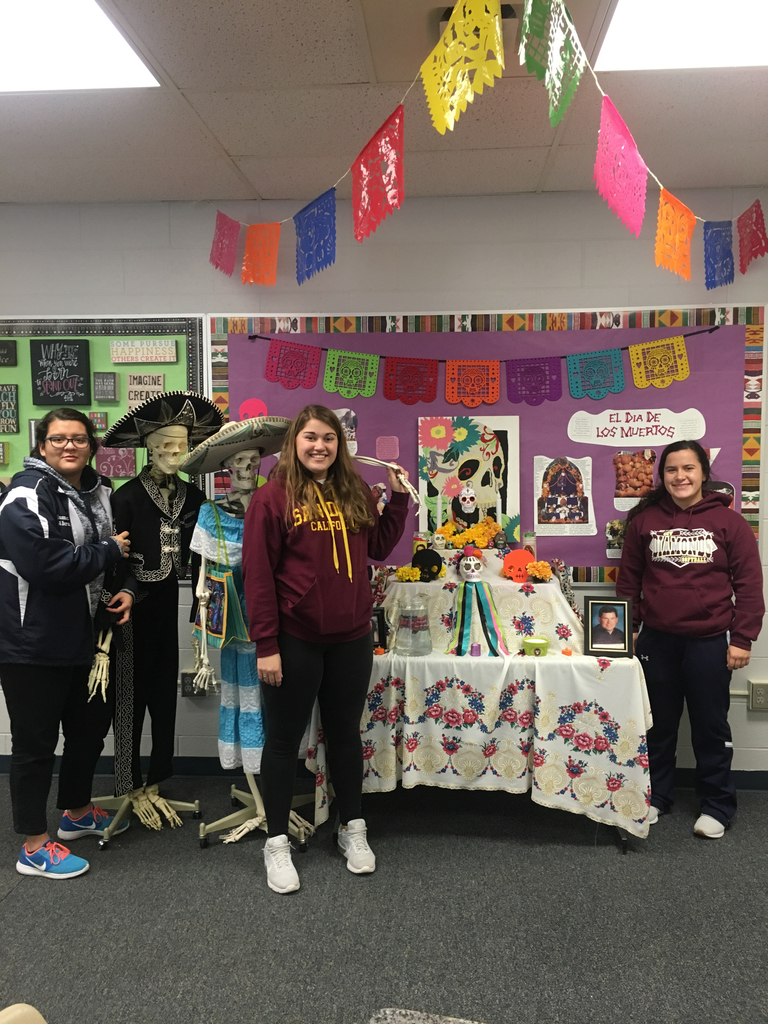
657 34
65 44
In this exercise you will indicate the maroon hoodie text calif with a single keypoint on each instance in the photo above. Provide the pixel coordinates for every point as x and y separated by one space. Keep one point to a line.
689 564
310 577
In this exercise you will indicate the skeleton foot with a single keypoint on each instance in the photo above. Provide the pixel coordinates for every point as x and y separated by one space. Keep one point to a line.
163 806
144 810
296 820
242 830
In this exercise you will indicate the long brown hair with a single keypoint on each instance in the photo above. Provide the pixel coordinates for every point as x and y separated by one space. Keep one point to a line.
660 490
349 490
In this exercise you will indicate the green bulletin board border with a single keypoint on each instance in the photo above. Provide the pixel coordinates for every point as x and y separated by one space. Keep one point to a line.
189 362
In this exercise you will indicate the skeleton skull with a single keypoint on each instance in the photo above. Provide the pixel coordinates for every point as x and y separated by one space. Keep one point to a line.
438 541
468 500
470 567
243 469
166 448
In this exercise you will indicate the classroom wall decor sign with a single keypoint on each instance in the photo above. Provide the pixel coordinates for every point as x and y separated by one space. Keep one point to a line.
9 408
143 350
61 371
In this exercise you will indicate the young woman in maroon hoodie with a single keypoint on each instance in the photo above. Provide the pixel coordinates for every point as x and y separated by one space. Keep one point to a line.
309 533
692 568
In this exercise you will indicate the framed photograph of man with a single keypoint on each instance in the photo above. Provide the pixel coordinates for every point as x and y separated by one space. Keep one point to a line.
608 627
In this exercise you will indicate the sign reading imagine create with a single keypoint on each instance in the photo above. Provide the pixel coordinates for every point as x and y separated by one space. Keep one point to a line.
142 387
142 350
619 427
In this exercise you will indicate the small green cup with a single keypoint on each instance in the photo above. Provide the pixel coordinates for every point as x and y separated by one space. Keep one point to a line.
535 646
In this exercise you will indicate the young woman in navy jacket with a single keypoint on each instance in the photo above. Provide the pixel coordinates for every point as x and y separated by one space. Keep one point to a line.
692 568
309 533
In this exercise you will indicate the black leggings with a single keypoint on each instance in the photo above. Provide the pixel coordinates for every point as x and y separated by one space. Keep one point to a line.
338 675
39 698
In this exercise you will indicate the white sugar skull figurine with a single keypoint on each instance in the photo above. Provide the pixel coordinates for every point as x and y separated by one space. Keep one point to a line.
470 566
468 500
438 541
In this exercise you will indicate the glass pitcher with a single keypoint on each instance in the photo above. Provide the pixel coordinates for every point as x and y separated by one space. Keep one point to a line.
413 638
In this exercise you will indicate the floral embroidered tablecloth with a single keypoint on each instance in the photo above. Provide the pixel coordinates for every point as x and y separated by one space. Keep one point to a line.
524 609
572 730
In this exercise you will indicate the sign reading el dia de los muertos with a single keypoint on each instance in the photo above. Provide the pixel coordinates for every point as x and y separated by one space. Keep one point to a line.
7 351
9 408
61 372
142 350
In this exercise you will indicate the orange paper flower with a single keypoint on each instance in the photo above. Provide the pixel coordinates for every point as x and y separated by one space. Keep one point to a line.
673 235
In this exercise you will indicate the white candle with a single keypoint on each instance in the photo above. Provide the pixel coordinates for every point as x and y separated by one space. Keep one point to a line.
439 511
498 509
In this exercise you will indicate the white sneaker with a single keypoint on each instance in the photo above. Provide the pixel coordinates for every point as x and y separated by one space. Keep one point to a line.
281 874
653 815
354 845
709 827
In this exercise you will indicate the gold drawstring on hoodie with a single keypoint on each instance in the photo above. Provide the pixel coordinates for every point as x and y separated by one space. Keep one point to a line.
327 514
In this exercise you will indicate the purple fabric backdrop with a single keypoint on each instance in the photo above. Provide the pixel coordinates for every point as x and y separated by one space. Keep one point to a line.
715 387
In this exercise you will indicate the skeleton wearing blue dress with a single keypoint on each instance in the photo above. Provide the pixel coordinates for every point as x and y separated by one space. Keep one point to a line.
218 540
241 728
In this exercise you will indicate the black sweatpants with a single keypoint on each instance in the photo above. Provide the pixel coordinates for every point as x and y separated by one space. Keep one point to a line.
694 669
40 698
338 675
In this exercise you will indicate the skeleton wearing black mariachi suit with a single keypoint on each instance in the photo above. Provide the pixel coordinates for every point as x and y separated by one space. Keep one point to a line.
146 671
160 514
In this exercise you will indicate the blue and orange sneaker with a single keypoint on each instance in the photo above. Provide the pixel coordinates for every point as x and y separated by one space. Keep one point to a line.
53 860
94 823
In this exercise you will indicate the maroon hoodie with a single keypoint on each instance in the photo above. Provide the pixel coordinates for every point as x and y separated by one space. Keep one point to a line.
689 563
293 579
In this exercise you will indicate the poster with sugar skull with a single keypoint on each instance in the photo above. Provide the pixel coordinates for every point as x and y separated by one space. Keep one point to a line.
469 467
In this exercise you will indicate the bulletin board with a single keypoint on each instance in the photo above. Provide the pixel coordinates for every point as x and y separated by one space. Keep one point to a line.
567 442
49 363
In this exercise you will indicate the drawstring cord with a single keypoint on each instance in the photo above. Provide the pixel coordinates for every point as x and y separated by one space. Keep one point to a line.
327 514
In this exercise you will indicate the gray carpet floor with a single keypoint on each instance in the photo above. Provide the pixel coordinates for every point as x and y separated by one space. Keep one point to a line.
484 907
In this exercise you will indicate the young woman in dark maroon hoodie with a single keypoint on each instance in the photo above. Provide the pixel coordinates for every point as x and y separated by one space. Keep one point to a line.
692 568
309 533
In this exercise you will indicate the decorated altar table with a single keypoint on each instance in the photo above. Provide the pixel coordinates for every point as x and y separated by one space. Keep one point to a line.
572 730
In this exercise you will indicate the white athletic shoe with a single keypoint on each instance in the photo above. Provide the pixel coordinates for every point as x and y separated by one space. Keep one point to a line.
709 827
353 844
653 815
281 874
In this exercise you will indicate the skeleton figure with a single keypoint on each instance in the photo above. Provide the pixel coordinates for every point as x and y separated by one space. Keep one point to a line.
467 512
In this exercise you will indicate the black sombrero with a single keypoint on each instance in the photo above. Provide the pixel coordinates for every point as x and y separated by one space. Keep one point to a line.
173 408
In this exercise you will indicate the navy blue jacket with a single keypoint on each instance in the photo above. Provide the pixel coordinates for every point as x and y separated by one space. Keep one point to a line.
45 615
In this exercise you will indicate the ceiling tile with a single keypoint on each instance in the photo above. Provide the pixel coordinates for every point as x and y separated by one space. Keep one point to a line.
235 44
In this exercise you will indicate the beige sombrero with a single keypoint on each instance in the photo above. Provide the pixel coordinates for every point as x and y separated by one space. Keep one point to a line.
262 433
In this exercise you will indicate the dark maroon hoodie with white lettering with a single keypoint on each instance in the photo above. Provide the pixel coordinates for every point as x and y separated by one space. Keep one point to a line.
698 570
310 578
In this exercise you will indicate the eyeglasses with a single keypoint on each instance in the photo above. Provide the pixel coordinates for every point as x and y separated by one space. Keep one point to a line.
76 442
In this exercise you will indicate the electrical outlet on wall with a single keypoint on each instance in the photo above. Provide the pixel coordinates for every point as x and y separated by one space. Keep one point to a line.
758 696
188 686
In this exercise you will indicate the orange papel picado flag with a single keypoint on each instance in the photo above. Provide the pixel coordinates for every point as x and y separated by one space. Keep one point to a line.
673 235
262 242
